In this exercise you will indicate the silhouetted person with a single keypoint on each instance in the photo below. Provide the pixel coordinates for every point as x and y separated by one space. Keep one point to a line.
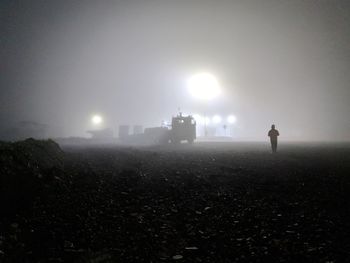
273 134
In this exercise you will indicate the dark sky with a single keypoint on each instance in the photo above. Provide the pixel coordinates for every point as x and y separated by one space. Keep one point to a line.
283 62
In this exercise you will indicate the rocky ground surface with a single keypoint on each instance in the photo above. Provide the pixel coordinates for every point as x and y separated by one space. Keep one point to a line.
210 202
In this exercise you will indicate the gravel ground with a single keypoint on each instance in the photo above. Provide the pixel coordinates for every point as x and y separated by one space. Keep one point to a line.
209 202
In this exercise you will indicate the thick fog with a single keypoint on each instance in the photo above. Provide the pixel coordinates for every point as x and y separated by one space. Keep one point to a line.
282 62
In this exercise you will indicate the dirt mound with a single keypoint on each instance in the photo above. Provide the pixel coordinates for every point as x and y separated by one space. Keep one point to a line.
25 168
204 203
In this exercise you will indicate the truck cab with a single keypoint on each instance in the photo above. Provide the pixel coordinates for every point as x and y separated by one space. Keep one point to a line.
183 128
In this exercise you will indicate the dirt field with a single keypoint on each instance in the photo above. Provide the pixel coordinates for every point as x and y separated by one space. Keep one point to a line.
210 202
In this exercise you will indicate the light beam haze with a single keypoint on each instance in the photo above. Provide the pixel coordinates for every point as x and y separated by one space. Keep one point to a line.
277 61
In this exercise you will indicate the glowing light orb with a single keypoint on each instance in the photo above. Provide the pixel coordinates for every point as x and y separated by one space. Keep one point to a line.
231 119
216 119
204 86
96 119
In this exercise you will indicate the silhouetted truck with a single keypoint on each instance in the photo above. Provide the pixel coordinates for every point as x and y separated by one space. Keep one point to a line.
182 128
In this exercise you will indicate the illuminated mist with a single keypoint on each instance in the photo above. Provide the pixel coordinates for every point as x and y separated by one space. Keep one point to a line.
129 62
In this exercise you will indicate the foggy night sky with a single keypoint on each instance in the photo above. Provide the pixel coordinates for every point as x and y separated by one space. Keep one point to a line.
283 62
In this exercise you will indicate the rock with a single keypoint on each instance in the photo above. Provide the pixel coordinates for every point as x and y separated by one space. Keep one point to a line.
68 244
177 257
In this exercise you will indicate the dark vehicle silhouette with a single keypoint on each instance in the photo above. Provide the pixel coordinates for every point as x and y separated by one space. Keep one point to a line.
182 128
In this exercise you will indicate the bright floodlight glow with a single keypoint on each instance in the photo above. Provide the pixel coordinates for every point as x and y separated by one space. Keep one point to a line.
216 119
231 119
204 86
96 119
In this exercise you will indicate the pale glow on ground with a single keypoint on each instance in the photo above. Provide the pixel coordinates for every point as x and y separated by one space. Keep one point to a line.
96 119
231 119
204 86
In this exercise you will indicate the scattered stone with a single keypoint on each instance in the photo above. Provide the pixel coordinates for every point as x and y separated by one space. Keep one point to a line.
177 257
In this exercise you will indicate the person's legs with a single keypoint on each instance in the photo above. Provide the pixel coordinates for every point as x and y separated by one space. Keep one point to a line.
274 145
271 145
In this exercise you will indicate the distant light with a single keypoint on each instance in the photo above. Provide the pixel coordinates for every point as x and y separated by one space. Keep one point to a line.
96 119
206 120
231 119
216 119
165 123
204 86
